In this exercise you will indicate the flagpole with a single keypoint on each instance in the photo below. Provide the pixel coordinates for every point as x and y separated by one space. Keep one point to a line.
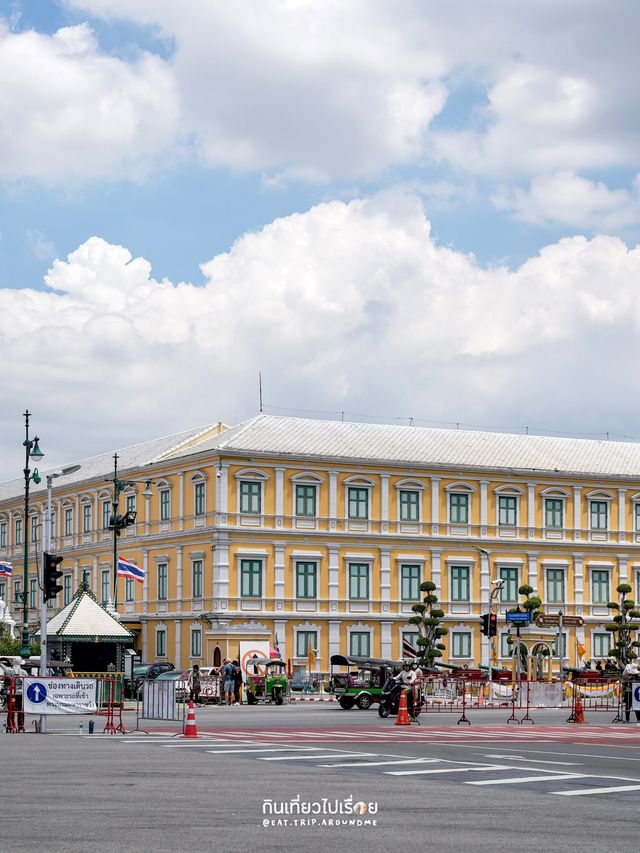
116 532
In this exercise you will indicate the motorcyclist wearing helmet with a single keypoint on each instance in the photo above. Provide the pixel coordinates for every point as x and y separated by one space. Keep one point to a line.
406 676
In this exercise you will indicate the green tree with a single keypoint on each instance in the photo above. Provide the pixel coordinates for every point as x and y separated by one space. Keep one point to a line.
428 619
623 628
9 646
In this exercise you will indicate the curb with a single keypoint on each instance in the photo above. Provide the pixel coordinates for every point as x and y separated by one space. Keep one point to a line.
312 699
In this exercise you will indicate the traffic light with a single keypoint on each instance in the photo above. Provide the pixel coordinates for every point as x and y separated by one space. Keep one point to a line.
51 575
489 624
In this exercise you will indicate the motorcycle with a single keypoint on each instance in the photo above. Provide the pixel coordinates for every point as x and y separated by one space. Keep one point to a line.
390 698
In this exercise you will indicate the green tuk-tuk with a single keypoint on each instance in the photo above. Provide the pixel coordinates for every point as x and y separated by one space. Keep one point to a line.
273 686
362 684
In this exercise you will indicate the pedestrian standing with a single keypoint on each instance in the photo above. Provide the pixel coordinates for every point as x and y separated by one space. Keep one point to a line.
237 683
630 675
194 684
229 680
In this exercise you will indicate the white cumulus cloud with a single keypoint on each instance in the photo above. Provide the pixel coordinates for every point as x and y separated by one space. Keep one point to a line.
68 112
347 306
569 199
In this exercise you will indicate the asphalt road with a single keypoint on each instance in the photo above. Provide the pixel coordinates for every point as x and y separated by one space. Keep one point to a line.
550 786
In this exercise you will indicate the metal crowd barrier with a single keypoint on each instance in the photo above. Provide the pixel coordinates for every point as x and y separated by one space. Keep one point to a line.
603 694
161 701
453 694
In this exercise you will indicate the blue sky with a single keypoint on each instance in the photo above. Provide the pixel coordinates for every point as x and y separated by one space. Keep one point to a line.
254 151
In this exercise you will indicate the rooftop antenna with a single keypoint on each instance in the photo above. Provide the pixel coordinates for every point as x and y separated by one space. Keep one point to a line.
260 387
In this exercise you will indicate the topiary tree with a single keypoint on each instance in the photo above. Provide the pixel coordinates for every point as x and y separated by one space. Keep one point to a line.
428 619
623 628
532 603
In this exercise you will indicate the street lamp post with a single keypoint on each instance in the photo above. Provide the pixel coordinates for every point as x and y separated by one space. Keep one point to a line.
493 594
32 451
118 522
46 548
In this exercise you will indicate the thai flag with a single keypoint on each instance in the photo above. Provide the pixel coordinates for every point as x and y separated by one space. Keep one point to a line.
127 569
408 650
5 568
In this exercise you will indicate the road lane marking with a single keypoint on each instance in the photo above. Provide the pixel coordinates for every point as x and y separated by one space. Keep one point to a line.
480 769
520 779
249 750
380 763
335 755
208 743
530 761
555 752
585 791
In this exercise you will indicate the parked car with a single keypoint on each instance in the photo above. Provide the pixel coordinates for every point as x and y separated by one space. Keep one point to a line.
142 671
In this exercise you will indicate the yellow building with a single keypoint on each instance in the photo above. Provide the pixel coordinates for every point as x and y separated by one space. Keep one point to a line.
318 533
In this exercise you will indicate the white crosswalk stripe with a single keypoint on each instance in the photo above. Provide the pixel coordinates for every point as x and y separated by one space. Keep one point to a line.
519 780
257 746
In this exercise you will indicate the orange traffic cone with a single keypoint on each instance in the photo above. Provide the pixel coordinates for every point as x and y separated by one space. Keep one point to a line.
579 710
191 730
403 713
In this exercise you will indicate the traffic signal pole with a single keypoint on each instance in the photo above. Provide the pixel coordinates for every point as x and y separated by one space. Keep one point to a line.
46 547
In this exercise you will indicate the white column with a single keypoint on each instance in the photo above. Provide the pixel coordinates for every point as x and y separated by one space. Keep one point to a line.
334 573
531 509
532 580
179 579
333 499
221 572
145 583
280 631
384 503
623 576
385 640
622 516
484 507
178 658
334 637
96 519
145 640
181 500
76 580
435 504
279 495
222 491
94 579
435 570
578 582
147 515
577 507
76 521
385 578
278 572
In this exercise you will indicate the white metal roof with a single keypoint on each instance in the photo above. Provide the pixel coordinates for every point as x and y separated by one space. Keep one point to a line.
84 618
368 443
129 458
448 448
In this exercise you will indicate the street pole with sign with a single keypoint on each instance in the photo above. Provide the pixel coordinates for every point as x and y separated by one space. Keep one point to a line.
32 451
559 645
